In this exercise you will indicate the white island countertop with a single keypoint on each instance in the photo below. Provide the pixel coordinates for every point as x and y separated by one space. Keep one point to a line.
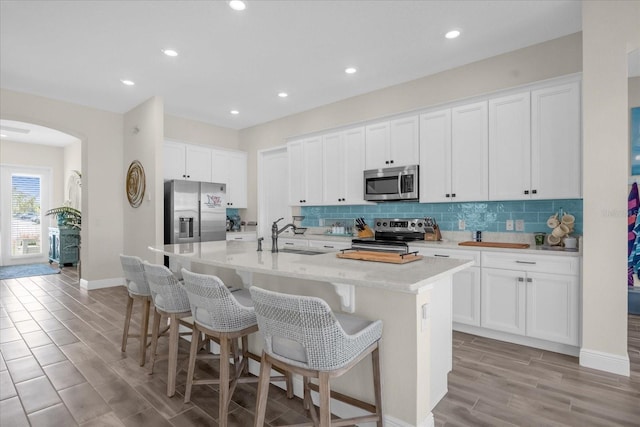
412 277
413 300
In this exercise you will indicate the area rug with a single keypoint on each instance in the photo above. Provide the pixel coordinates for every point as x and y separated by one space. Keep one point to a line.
26 270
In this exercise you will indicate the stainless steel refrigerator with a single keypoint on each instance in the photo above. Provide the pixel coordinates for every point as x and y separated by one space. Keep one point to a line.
194 212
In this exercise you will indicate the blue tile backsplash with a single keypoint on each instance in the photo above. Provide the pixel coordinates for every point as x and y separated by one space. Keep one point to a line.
483 216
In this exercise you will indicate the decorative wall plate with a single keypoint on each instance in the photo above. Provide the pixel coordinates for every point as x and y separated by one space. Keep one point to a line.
136 184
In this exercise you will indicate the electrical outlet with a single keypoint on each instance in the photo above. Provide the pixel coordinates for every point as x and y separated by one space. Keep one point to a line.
519 224
509 225
461 224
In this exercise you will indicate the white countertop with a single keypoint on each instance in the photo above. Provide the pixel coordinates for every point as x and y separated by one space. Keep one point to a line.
451 244
412 277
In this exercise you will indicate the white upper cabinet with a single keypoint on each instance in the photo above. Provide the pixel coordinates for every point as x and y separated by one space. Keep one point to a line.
392 143
344 164
230 167
189 162
435 156
305 171
556 154
510 147
534 144
454 154
198 163
469 153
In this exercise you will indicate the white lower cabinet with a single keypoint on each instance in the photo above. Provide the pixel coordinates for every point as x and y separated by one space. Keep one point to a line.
466 296
532 295
242 236
552 307
503 299
530 299
466 284
329 245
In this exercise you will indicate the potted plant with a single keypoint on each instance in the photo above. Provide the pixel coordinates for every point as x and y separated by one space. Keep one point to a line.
67 216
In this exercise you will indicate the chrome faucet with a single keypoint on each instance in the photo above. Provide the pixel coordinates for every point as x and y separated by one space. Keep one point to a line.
275 232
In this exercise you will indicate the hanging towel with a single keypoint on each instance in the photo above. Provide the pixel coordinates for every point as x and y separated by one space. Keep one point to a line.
634 257
632 216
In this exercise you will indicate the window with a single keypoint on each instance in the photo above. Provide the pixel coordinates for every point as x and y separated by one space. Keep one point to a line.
26 215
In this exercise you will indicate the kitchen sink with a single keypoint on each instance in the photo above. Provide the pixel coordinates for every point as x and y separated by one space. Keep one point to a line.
301 251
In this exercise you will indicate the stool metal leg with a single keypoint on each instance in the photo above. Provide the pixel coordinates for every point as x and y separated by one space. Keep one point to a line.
377 386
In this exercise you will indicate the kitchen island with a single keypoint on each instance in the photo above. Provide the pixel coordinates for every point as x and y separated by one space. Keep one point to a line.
413 300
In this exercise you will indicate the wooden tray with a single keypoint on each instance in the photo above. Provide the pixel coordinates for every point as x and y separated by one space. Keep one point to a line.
389 257
496 245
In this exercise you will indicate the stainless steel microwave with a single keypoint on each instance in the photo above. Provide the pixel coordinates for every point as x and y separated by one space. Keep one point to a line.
391 184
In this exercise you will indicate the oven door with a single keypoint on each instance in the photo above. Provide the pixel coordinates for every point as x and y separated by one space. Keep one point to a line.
389 184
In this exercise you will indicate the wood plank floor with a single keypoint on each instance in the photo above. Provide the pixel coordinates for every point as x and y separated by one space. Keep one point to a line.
61 365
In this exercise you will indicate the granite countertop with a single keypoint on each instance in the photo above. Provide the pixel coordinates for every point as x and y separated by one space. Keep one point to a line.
412 277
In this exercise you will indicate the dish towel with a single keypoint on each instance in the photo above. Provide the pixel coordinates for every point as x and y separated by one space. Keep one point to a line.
633 228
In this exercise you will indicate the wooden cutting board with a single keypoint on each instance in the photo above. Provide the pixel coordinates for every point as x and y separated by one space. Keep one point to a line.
389 257
496 245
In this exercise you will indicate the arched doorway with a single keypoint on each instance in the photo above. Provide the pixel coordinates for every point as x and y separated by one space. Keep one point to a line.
38 171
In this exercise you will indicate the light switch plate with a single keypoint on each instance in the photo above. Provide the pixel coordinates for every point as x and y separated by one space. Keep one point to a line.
509 225
519 224
461 224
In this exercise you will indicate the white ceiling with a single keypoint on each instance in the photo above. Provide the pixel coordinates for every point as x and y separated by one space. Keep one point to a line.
78 51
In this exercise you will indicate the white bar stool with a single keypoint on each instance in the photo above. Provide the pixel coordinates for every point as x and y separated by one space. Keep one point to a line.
302 335
227 317
137 289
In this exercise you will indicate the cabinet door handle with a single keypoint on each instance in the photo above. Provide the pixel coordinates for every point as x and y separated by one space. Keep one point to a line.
520 279
453 194
526 262
529 279
534 191
526 191
442 256
447 195
391 161
386 162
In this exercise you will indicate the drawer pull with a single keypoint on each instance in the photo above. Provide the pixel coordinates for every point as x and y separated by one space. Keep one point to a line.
288 243
526 262
328 246
442 256
237 238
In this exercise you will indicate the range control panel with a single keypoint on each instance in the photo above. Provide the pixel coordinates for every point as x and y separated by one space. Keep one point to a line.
400 225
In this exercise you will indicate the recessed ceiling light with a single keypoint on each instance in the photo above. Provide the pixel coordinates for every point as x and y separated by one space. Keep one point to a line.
234 112
169 52
237 5
283 94
127 82
350 70
2 135
452 34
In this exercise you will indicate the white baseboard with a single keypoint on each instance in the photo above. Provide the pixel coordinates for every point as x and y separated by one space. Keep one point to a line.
99 284
607 362
339 408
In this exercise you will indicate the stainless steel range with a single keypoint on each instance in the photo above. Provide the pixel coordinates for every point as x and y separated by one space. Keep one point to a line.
399 229
392 234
